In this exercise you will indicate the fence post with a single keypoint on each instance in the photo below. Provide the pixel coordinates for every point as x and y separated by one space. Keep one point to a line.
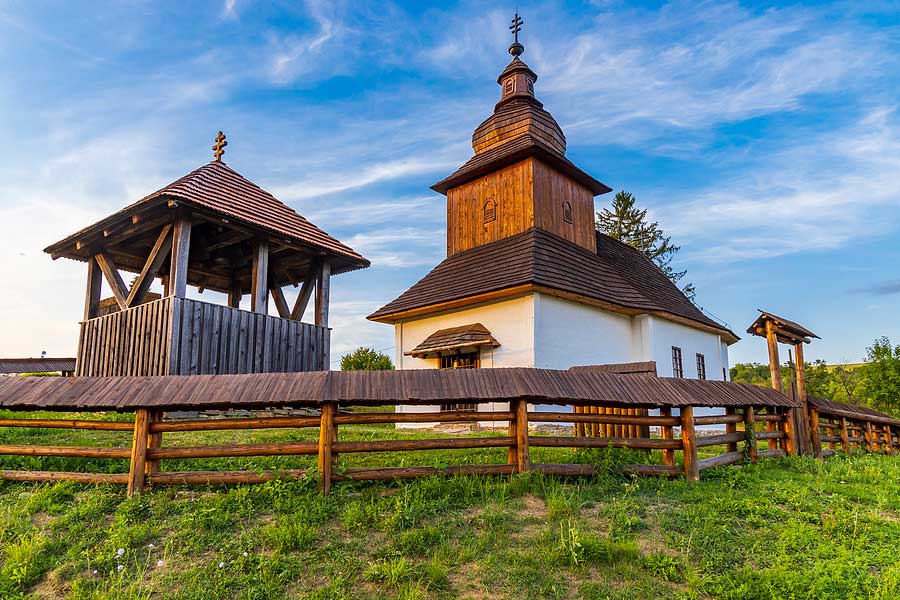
512 453
870 437
731 428
845 436
689 441
888 439
326 437
154 442
771 426
136 475
750 433
667 433
829 431
814 432
523 460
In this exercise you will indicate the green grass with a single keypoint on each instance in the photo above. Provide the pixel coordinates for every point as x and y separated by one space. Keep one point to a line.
789 528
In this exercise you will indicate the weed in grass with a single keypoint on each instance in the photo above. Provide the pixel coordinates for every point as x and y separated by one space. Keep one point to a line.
287 534
393 571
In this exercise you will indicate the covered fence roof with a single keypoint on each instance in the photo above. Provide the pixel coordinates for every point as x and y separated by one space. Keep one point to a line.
426 386
851 411
11 366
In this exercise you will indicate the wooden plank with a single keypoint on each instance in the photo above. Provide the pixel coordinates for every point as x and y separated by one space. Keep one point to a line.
731 427
232 450
888 439
155 260
280 302
814 430
223 477
64 451
774 363
450 443
790 433
154 441
541 441
68 424
555 417
389 473
715 440
845 436
235 424
688 439
667 433
136 471
441 417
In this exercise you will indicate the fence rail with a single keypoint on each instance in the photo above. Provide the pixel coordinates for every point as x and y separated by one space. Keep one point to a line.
675 437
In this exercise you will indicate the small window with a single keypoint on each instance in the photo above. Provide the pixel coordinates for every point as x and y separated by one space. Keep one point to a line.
701 366
677 364
465 360
567 212
530 84
490 211
510 86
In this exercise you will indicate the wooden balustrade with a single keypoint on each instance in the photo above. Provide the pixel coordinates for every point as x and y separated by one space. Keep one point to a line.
673 435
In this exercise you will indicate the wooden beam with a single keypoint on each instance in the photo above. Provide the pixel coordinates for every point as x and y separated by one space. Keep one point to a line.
259 284
309 283
181 250
234 295
815 433
801 372
774 363
280 303
92 293
233 237
323 294
326 441
689 440
113 278
523 457
667 433
750 426
136 472
845 436
154 261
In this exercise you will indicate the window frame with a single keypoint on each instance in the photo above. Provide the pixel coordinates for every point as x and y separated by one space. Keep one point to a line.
701 366
677 363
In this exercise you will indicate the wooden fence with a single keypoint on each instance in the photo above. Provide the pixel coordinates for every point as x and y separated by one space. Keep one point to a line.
682 444
180 336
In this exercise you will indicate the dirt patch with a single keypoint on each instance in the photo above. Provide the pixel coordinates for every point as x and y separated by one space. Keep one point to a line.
534 508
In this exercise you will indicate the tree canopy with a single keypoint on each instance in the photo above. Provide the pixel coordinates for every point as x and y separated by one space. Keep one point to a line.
881 383
366 359
628 223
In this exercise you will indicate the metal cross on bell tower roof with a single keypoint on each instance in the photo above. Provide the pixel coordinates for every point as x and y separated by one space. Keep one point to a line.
219 146
516 49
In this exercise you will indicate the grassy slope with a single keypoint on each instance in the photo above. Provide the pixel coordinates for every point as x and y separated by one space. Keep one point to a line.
793 528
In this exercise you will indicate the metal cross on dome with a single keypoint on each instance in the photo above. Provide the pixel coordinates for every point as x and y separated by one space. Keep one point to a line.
516 49
219 146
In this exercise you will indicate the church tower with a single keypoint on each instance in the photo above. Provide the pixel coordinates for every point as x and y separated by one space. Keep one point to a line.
528 281
519 177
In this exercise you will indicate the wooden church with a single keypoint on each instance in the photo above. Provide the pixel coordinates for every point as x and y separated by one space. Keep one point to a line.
528 281
212 230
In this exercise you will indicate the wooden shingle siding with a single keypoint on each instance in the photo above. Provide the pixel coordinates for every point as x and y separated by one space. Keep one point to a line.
179 336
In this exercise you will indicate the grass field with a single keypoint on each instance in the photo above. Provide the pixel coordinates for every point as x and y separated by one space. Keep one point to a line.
789 528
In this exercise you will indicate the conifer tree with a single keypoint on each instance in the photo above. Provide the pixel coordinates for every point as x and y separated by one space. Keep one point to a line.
628 223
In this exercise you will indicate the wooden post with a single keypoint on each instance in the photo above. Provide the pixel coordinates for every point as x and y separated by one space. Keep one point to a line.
888 439
523 459
829 431
750 425
790 434
92 293
774 363
731 428
594 429
326 438
845 436
136 476
323 294
512 453
814 432
771 426
667 433
801 372
234 295
689 440
181 250
154 442
870 437
259 285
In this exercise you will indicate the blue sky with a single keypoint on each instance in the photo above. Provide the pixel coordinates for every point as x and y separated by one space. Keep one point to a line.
765 138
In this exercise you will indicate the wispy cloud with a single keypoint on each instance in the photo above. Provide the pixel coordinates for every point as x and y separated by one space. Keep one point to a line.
401 246
886 288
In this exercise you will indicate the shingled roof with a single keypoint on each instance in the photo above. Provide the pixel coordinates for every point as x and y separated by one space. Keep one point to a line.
455 338
618 277
217 188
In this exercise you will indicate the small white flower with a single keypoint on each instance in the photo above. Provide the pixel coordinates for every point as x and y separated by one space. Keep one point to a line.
151 546
120 551
159 563
246 555
95 571
221 564
120 567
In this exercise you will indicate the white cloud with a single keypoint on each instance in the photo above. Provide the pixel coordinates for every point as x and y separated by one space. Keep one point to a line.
401 246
